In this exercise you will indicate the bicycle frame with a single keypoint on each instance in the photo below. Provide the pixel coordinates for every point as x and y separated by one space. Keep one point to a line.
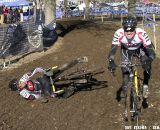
134 98
136 81
57 71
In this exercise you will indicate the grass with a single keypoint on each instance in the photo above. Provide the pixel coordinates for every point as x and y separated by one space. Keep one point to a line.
154 36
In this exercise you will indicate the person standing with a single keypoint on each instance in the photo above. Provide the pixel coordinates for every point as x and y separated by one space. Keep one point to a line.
21 14
1 15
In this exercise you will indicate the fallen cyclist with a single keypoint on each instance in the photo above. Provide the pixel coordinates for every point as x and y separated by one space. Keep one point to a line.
30 89
43 86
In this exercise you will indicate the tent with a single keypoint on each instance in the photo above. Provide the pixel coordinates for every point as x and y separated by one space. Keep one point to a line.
14 3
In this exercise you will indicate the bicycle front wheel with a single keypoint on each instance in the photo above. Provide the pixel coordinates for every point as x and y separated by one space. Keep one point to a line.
128 103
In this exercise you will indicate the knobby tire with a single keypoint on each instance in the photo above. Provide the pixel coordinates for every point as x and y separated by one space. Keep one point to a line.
127 114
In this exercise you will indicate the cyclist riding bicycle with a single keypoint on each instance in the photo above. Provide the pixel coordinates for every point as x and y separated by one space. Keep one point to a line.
133 41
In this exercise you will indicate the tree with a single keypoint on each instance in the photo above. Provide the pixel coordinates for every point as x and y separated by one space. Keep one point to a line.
37 10
131 7
87 9
65 7
50 13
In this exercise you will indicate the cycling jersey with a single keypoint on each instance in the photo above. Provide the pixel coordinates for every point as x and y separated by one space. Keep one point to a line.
27 94
34 91
26 77
139 42
139 45
138 39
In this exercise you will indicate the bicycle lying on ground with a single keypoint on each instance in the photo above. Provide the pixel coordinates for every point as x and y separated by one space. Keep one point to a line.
134 93
66 84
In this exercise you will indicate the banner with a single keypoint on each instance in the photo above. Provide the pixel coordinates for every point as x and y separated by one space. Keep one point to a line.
140 10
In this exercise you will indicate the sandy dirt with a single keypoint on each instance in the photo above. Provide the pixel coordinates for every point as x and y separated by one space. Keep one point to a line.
86 110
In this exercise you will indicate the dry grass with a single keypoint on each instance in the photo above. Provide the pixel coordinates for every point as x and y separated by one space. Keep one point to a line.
154 37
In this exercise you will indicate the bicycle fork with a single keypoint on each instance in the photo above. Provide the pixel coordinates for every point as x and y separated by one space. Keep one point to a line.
130 106
130 100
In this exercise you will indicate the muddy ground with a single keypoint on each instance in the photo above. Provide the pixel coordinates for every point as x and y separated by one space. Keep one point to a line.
86 110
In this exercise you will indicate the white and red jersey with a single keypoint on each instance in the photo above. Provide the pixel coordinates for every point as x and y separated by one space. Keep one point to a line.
31 87
25 93
26 77
139 38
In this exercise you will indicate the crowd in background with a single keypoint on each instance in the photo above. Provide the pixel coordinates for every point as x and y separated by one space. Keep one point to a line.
11 15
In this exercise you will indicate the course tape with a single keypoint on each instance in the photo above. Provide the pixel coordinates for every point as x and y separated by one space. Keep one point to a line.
139 10
151 21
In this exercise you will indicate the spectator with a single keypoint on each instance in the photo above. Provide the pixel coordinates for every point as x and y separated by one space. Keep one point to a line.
1 15
10 16
21 14
5 12
17 15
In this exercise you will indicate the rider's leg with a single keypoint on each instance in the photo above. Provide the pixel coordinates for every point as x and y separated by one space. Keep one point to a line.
68 65
145 88
146 74
125 58
45 85
145 83
125 76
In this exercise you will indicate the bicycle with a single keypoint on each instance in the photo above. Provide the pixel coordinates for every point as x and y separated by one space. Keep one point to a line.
66 84
134 93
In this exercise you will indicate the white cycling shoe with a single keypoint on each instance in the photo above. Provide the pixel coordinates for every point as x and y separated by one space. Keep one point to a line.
145 91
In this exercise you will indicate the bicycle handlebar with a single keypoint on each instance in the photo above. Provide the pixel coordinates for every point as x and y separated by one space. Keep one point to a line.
128 65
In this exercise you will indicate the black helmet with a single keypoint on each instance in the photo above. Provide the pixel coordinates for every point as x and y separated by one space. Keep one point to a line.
129 23
13 84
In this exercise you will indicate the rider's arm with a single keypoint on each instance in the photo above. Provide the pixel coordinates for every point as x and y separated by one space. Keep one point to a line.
150 51
147 43
144 37
118 35
112 52
26 77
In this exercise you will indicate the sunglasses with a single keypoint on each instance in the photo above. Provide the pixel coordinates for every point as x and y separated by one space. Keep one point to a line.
129 30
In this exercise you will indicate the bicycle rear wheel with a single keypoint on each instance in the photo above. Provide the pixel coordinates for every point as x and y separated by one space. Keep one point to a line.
137 102
134 105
